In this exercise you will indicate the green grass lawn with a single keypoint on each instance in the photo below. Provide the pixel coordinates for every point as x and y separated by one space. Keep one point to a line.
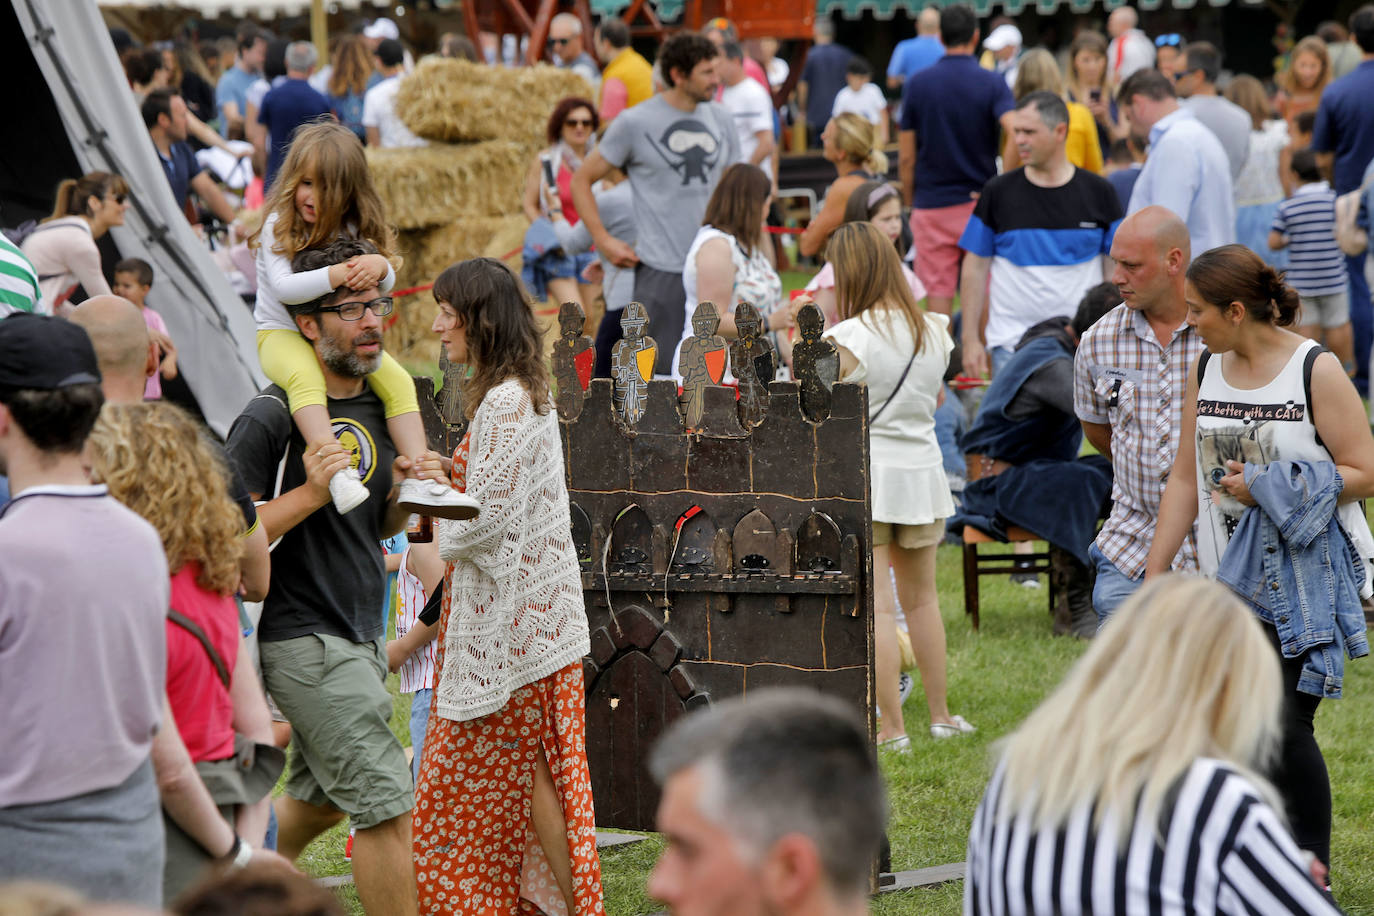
995 678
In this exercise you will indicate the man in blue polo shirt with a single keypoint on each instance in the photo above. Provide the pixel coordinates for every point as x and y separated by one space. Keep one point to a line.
231 94
1343 139
289 104
164 114
951 117
915 54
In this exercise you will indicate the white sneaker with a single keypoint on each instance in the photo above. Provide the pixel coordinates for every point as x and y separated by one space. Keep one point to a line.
347 490
436 499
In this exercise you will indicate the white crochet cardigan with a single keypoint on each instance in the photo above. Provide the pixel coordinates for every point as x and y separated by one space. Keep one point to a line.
515 590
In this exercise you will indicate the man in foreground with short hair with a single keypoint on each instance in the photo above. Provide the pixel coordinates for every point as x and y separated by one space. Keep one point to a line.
774 805
321 639
1130 377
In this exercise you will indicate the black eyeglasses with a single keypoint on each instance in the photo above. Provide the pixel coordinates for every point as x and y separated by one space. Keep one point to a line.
578 122
1173 39
559 42
352 311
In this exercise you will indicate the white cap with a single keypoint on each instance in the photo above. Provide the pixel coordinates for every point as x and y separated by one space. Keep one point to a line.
1005 35
385 28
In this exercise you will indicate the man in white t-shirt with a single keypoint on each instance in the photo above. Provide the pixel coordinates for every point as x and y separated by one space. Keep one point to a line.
750 106
384 128
862 97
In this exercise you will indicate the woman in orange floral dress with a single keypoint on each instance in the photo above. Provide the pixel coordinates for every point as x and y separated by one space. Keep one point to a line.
503 814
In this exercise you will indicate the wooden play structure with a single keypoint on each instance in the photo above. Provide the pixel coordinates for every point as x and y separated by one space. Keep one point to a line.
721 533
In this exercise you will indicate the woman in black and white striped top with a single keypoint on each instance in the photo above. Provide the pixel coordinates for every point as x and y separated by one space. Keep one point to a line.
1133 787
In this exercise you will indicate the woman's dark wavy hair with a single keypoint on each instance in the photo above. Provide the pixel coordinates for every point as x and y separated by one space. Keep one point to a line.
567 106
503 339
1234 273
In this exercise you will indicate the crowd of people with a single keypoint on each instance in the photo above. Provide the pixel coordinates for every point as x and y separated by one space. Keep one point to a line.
1145 251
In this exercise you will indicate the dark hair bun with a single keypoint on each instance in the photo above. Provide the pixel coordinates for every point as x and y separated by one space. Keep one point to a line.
1286 300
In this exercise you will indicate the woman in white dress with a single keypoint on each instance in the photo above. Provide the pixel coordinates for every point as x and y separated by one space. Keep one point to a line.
901 352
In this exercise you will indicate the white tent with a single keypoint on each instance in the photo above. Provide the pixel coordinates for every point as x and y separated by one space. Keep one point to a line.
73 113
263 9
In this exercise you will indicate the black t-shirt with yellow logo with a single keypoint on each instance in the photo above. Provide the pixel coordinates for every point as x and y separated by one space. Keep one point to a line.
327 572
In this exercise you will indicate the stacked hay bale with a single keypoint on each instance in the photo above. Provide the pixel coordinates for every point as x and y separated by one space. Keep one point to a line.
459 197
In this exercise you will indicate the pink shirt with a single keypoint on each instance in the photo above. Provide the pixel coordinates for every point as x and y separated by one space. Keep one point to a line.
826 280
153 390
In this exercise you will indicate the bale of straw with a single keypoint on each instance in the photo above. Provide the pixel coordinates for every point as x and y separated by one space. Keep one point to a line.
456 100
434 185
427 253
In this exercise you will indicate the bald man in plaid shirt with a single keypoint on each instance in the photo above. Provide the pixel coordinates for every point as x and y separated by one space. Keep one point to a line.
1130 374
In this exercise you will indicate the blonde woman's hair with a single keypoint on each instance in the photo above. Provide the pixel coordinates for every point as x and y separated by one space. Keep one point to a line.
159 462
868 275
346 202
350 68
1248 93
857 138
1038 72
1181 671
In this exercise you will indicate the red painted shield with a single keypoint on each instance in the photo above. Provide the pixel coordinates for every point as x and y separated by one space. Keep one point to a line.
583 363
715 364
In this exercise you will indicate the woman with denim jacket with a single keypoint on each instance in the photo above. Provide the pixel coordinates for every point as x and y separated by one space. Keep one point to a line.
1248 403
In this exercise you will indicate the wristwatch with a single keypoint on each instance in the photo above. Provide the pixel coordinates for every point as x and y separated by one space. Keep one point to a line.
239 855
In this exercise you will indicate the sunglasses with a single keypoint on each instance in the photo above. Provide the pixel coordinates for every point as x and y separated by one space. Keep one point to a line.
578 122
352 311
1173 40
558 42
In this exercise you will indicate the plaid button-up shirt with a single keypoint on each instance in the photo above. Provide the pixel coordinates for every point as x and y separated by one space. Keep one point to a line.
1124 378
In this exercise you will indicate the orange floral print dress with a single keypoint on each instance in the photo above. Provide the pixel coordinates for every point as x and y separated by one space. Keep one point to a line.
475 847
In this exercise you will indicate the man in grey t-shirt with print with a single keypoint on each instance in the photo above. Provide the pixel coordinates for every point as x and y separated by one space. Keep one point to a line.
674 147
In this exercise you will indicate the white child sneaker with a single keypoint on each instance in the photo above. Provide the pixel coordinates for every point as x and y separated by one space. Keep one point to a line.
436 499
347 490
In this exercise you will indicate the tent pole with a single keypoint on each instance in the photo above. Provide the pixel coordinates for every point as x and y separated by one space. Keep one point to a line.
319 29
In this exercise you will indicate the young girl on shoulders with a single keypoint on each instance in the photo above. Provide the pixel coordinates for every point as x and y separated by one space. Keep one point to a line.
325 191
888 342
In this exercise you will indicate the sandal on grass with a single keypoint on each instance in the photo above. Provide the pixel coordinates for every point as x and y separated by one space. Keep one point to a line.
899 745
951 729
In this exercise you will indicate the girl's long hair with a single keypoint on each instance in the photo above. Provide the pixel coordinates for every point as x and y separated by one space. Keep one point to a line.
868 274
73 193
1181 671
503 339
1248 93
346 203
1288 80
159 462
736 205
350 68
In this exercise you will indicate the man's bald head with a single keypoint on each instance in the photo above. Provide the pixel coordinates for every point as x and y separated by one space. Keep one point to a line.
928 22
1122 19
122 347
1163 227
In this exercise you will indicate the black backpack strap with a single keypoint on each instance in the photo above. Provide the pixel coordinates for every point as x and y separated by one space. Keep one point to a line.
190 626
1202 358
1307 363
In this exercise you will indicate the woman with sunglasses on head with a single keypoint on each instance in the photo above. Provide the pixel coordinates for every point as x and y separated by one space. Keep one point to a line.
571 133
1169 58
62 247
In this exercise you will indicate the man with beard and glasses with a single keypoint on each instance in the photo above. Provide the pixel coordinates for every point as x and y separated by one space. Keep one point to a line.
322 641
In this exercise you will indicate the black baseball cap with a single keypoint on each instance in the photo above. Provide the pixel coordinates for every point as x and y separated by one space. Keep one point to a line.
41 353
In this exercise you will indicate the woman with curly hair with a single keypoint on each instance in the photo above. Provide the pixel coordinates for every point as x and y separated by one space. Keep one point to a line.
504 794
153 458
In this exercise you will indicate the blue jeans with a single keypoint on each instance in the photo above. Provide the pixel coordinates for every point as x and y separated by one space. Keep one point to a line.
419 718
950 422
1112 586
998 357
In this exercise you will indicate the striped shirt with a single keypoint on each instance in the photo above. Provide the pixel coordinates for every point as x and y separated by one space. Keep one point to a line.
1224 851
1316 266
18 280
1123 378
417 671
